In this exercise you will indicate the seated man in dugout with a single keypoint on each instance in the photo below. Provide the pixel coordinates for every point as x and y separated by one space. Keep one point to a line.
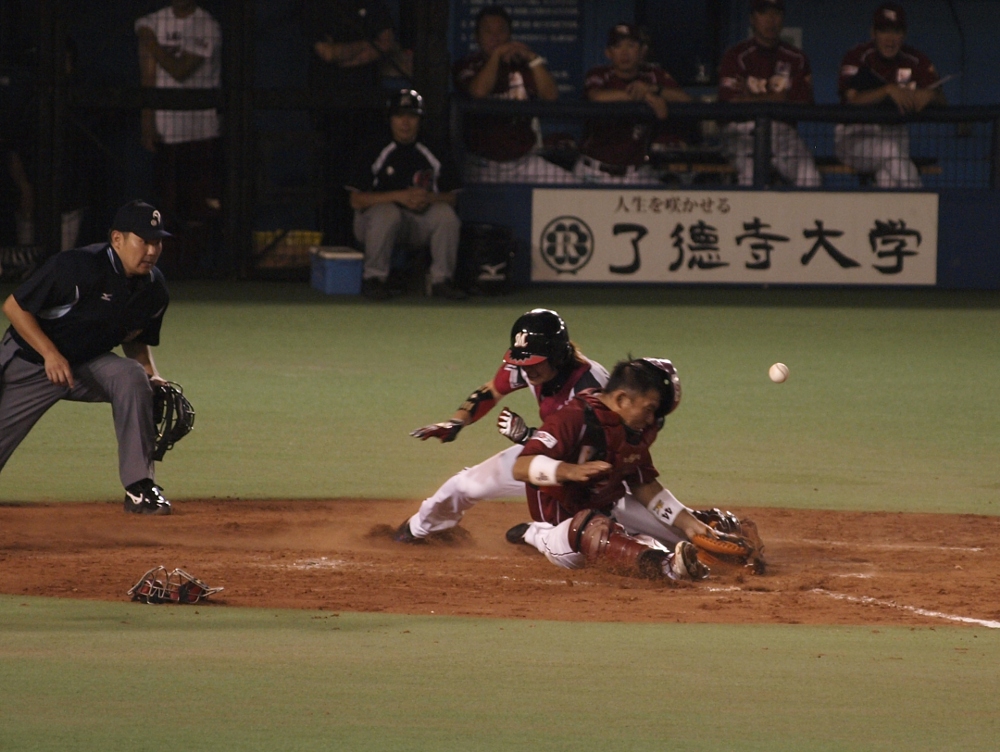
402 191
615 150
766 69
501 149
887 73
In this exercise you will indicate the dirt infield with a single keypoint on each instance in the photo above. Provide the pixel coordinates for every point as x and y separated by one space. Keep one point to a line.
824 567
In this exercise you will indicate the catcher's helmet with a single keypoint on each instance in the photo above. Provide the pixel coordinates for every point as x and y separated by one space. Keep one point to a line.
539 335
406 100
670 390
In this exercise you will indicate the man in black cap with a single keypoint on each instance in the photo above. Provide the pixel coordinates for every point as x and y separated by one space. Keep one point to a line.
403 192
64 322
885 72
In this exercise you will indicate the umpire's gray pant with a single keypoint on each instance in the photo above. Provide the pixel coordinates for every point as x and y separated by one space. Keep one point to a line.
26 394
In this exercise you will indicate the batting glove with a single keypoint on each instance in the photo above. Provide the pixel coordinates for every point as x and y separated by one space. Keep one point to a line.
512 425
446 431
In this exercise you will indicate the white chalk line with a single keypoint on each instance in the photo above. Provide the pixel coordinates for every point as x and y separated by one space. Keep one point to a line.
868 600
889 546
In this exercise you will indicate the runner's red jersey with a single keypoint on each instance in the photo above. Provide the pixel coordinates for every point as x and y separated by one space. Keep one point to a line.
556 393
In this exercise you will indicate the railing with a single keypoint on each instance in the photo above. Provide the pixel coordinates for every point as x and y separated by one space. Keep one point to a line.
950 147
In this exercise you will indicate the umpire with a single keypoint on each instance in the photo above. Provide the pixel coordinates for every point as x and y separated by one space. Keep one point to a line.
65 320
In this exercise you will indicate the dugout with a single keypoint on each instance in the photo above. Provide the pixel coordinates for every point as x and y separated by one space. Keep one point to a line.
79 129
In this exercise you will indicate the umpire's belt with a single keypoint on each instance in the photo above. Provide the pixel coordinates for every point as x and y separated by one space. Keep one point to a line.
618 170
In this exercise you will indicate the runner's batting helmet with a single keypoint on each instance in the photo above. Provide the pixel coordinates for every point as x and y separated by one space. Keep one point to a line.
670 391
539 335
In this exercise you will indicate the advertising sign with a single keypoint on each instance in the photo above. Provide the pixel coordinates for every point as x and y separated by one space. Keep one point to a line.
742 237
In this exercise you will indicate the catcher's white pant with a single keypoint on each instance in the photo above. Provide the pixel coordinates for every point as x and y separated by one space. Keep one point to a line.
490 479
553 540
880 149
789 153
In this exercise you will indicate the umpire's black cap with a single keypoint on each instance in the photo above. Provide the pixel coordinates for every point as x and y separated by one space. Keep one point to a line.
140 218
406 100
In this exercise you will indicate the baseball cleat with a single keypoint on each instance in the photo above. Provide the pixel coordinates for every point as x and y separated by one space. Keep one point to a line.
516 534
145 497
684 565
403 534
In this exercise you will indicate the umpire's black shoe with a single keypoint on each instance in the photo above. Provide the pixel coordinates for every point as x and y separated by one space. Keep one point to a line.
403 534
516 534
145 497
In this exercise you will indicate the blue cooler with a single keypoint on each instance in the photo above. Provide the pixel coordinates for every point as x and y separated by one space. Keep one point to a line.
336 270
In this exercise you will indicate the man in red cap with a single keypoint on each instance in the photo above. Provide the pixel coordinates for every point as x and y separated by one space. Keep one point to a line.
766 69
615 150
885 72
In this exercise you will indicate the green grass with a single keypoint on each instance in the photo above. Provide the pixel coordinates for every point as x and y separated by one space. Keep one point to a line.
889 405
93 676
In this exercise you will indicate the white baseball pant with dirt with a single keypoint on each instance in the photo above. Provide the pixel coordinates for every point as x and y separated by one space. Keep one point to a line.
490 479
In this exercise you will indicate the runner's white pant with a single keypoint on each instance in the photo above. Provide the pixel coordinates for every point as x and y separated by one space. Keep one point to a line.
789 153
880 149
490 479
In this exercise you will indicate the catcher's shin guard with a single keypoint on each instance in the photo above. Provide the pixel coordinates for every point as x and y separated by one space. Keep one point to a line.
599 538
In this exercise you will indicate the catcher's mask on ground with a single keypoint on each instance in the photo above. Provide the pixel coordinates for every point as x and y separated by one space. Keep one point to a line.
160 586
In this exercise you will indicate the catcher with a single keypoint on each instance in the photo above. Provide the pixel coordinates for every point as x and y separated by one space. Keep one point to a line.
578 465
64 322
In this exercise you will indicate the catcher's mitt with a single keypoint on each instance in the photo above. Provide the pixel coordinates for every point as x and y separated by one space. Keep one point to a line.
738 542
173 416
160 586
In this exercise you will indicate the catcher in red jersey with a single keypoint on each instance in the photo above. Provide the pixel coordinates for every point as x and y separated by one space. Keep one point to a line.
885 72
541 358
591 453
766 69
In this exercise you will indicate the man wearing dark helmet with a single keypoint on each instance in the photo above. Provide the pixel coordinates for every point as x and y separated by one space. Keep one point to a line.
541 358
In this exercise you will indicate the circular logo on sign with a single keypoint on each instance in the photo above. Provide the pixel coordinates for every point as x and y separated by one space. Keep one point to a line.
566 244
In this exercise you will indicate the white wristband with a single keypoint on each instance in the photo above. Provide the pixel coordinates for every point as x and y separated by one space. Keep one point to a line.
665 506
537 61
542 471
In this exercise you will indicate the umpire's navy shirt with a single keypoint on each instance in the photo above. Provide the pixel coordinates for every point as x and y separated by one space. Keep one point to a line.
395 167
87 306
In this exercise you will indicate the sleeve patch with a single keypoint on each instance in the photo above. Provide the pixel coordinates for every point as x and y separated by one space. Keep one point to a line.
546 438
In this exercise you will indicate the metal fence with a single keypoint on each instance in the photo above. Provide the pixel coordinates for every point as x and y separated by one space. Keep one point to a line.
743 145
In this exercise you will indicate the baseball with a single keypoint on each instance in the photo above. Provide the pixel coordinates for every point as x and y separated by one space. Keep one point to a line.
778 372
